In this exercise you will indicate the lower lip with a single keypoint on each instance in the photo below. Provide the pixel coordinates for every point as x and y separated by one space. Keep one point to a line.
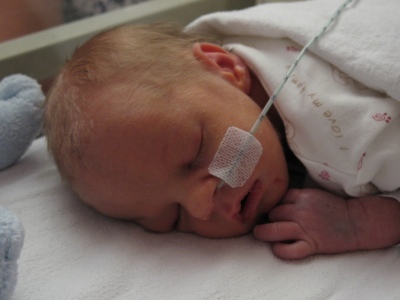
250 208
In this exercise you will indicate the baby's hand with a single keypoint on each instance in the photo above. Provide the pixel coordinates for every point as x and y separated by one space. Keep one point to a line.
308 222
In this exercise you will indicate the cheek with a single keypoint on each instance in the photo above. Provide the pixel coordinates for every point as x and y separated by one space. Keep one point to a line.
268 137
161 221
272 162
274 174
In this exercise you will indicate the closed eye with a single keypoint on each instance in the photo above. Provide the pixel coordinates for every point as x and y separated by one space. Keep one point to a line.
200 152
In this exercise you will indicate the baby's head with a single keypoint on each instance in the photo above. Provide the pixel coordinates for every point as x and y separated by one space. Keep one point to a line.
135 118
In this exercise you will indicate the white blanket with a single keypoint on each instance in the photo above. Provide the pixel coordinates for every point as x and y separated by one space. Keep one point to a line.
72 252
364 42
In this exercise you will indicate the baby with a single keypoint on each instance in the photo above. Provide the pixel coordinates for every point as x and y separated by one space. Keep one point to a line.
135 118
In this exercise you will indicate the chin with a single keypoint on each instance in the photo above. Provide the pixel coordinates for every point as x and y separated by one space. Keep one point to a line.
228 231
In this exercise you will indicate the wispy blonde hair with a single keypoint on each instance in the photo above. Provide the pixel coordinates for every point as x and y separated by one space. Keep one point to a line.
145 59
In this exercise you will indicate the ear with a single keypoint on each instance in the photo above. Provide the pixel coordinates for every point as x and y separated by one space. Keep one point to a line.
230 66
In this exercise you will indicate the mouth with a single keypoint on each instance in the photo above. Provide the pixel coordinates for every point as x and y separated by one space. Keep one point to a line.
247 207
244 201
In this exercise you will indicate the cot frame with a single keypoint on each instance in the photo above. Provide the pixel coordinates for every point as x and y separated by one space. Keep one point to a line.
41 54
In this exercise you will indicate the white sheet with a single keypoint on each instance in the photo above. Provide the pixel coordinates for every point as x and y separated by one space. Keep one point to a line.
71 252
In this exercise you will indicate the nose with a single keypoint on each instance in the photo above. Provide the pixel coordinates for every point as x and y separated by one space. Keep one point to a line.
199 202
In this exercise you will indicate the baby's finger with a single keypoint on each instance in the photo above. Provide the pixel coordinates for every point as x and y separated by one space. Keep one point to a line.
278 231
296 250
284 212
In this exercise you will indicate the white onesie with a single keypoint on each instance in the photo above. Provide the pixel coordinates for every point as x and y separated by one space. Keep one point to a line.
346 135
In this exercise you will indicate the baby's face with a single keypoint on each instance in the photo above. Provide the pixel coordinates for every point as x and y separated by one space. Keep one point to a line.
154 166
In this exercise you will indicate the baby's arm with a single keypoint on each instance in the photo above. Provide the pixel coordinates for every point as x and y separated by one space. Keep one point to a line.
312 221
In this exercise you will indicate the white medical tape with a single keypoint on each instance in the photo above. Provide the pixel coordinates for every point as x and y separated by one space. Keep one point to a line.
236 157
